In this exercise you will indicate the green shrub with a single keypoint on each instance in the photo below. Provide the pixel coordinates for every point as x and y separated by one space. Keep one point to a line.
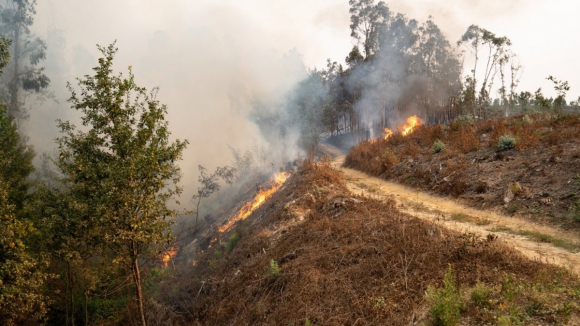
506 142
274 269
445 302
438 146
232 242
480 295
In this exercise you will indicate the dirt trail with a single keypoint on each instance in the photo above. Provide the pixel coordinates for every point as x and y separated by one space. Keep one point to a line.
440 210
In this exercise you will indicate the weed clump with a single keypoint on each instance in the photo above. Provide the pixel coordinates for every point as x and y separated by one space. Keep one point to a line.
274 270
506 142
445 302
438 146
480 295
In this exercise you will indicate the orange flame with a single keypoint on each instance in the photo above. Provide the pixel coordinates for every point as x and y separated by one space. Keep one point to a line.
259 199
169 255
412 123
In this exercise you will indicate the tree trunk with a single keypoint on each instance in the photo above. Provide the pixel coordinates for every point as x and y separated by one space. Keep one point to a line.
13 107
137 279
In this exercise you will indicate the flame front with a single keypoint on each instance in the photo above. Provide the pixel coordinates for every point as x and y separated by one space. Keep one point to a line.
412 123
259 199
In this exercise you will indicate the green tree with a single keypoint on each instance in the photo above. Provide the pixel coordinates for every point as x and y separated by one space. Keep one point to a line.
561 87
24 75
21 274
475 39
121 167
367 19
15 162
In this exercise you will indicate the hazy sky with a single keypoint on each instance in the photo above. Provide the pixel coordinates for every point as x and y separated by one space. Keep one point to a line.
208 54
540 30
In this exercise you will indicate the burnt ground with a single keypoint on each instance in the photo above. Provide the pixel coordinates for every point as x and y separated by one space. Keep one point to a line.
317 254
538 179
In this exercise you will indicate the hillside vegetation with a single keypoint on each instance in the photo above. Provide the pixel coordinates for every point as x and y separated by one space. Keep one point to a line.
317 255
525 165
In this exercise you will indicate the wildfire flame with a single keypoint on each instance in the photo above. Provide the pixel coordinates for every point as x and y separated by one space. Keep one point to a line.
169 255
412 122
388 133
259 199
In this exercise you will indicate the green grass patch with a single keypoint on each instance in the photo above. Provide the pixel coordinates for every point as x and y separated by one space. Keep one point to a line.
541 237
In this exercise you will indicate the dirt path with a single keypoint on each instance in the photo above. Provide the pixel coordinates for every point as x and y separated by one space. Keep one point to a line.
453 215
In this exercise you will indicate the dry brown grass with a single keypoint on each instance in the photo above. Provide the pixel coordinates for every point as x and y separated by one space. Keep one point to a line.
353 260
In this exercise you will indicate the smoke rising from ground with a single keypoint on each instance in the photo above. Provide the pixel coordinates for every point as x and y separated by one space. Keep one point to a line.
212 61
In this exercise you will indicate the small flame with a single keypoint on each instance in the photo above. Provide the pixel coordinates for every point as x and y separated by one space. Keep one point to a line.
169 255
412 123
259 199
388 133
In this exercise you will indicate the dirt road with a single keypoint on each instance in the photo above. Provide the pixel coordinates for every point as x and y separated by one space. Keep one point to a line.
451 214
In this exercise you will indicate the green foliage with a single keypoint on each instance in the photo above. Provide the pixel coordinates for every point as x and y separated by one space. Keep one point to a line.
274 269
438 146
232 242
480 295
15 162
506 142
120 169
445 302
307 322
21 275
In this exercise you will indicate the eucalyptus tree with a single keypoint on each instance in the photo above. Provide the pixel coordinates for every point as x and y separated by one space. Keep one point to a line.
24 74
367 19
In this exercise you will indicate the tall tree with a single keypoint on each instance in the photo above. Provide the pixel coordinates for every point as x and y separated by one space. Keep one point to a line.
122 166
21 275
24 75
367 19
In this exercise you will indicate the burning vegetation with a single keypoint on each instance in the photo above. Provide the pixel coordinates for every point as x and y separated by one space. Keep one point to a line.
317 254
262 195
412 122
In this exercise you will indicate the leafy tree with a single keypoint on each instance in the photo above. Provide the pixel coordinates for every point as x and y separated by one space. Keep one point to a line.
15 161
23 76
21 274
367 19
121 168
541 102
561 87
475 39
524 99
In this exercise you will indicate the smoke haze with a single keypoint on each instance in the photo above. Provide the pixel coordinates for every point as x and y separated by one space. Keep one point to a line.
213 59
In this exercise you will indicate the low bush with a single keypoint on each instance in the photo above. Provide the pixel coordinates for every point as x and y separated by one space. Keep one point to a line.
438 146
445 302
506 142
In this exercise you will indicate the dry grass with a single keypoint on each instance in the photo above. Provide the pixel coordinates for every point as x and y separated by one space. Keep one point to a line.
353 260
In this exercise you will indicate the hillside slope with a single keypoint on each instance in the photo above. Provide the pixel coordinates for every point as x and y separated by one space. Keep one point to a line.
317 254
525 165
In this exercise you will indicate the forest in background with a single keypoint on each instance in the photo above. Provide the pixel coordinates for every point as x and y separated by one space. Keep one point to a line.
79 231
